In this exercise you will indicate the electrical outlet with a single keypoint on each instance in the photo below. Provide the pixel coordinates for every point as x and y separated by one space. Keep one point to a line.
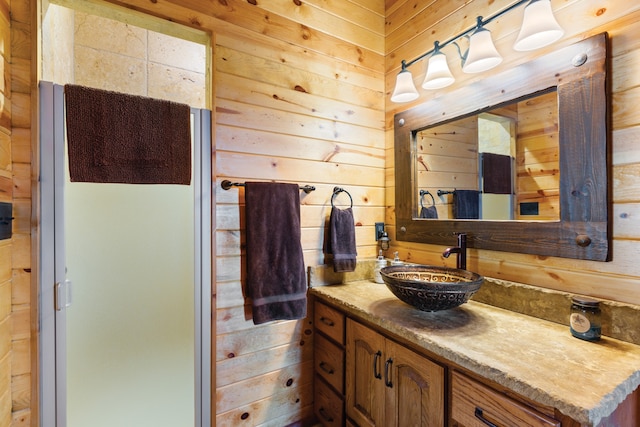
379 229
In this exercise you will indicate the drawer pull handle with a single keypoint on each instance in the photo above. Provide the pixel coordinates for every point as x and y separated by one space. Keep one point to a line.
325 415
327 322
326 367
387 370
376 357
479 415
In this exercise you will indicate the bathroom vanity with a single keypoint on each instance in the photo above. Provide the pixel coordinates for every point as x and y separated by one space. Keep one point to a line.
379 361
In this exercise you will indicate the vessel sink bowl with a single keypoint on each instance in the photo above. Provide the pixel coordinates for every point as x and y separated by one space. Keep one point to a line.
431 288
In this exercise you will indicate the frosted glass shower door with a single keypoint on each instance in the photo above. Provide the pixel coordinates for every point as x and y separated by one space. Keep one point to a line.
130 329
134 346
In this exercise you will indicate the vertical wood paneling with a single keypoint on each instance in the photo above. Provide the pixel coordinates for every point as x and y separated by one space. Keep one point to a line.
617 280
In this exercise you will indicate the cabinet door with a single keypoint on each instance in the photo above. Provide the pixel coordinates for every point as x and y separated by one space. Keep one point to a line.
365 387
415 389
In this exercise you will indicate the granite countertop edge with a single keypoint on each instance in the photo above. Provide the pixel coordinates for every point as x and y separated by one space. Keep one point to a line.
409 326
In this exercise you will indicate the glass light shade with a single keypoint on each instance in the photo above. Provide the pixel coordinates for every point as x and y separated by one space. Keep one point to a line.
539 26
438 73
482 55
405 90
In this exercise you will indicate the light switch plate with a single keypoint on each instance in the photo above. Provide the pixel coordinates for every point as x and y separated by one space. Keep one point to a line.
6 218
379 229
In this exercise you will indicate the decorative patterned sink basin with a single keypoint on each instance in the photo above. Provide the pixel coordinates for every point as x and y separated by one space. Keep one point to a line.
431 288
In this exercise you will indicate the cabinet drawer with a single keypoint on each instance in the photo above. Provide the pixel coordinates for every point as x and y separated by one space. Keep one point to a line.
327 405
329 321
472 402
329 362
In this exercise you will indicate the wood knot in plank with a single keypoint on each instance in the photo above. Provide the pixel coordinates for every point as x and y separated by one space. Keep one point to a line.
306 32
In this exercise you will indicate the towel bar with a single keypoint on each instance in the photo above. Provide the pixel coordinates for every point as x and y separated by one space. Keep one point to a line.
226 184
443 192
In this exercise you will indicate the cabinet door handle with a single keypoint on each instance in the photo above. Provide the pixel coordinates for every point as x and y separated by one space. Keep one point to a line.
327 322
479 415
387 372
325 415
326 367
376 357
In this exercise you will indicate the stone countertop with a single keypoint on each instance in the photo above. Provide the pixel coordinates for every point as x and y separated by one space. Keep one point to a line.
536 358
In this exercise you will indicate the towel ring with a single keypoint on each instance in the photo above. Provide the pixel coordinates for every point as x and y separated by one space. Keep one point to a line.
422 194
338 190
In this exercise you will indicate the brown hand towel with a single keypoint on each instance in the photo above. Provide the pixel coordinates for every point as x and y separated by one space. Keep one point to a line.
276 280
119 138
429 212
342 240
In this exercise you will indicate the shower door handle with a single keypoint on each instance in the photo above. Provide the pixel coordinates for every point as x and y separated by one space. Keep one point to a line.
62 295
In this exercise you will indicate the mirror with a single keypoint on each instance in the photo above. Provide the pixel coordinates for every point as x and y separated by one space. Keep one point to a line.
575 76
499 164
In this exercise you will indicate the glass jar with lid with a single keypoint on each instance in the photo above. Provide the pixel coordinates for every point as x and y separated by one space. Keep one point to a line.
585 320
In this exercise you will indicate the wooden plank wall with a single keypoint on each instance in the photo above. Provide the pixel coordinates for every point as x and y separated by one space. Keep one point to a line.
6 195
412 27
537 156
298 97
299 94
15 187
447 159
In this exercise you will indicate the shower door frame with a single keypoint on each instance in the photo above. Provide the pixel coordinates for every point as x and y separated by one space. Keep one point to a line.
53 290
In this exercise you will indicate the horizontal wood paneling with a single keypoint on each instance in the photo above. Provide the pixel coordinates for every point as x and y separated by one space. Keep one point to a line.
300 95
262 386
7 339
290 107
617 280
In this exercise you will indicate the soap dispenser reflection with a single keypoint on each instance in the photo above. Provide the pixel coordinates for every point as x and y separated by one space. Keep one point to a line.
381 262
396 259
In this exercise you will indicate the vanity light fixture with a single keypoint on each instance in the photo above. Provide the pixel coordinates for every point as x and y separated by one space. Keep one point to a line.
405 90
438 72
482 54
539 28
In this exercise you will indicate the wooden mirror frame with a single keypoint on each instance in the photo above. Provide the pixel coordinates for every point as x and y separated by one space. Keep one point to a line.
579 72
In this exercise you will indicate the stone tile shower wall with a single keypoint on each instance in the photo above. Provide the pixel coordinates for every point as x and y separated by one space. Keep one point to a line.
146 63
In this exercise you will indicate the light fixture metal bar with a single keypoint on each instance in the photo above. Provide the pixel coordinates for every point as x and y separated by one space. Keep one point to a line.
481 21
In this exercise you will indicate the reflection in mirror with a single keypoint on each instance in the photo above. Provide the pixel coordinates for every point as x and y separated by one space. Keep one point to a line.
501 164
573 216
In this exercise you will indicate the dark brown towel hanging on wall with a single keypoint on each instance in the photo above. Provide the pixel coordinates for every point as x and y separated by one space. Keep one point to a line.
119 138
276 277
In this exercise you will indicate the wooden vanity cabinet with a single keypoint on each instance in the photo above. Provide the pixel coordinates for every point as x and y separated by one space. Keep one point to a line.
390 385
329 365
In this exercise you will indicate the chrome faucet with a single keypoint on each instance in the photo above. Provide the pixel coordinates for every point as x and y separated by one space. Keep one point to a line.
461 250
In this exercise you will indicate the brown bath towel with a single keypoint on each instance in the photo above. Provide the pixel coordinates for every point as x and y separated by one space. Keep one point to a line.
342 240
119 138
496 173
466 204
276 280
